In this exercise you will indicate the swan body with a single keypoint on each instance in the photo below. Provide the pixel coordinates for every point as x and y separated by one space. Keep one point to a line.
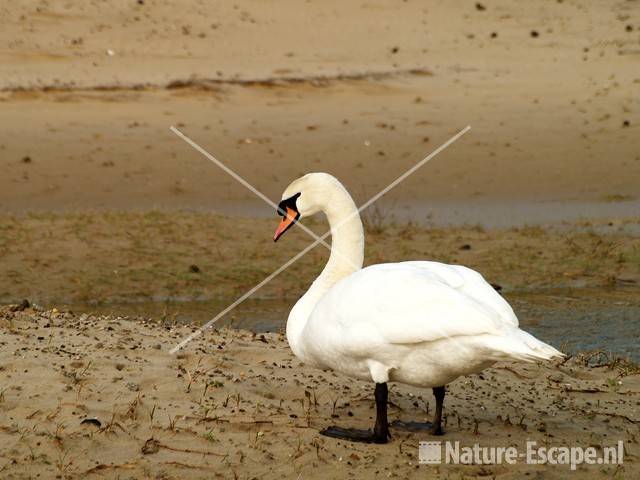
421 323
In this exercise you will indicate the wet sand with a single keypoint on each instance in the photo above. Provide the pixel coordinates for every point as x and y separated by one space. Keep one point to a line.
101 397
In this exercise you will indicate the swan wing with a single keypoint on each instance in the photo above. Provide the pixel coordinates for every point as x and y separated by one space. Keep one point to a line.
472 284
403 303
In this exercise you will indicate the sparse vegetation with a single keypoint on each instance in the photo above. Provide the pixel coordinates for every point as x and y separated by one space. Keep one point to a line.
377 219
600 358
136 256
616 197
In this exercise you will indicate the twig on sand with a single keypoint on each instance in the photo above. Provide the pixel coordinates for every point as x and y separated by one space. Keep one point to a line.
186 465
152 446
617 415
566 388
33 414
226 420
515 372
102 466
189 450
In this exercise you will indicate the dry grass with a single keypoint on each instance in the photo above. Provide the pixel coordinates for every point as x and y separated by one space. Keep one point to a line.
185 255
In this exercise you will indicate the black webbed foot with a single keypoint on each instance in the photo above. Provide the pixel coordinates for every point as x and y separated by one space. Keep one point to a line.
412 426
356 435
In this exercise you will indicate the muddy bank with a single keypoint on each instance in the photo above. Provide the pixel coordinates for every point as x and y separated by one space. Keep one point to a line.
87 396
124 256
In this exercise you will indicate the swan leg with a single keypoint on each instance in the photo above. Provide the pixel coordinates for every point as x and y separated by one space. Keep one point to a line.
380 432
381 428
436 428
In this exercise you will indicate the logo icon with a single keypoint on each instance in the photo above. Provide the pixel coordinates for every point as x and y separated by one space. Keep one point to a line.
430 453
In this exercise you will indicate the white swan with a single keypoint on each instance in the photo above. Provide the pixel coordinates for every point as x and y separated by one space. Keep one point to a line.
420 323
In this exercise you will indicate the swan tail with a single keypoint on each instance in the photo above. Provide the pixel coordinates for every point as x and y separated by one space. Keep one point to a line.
519 345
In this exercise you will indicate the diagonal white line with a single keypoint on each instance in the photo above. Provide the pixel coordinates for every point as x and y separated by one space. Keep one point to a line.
251 187
400 178
319 239
414 168
241 299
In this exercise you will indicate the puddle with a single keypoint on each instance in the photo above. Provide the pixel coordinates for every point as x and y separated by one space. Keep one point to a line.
518 213
258 315
583 319
572 319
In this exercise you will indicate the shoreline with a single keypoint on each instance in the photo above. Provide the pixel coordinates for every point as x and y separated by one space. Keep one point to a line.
493 214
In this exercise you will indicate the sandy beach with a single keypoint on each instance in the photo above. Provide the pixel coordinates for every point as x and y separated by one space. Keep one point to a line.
100 397
277 89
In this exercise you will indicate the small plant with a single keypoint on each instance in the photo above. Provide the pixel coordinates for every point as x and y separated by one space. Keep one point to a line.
613 384
61 463
193 377
376 219
209 436
133 407
57 435
172 422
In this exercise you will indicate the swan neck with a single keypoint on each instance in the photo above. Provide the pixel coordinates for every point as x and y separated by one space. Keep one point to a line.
347 243
347 255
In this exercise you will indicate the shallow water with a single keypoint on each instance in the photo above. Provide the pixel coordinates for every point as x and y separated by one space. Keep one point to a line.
571 319
484 212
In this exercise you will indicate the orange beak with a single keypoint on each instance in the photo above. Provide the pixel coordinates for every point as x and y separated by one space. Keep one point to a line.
286 223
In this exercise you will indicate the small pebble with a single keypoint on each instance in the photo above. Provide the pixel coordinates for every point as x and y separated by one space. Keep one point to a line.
134 387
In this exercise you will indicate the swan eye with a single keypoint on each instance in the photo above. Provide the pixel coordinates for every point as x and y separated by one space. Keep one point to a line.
288 203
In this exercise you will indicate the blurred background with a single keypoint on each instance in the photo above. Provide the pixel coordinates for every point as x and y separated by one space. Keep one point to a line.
102 207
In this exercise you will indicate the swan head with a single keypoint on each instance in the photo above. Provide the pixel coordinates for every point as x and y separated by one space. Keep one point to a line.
304 197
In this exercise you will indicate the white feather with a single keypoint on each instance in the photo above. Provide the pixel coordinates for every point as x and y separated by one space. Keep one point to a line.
422 323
